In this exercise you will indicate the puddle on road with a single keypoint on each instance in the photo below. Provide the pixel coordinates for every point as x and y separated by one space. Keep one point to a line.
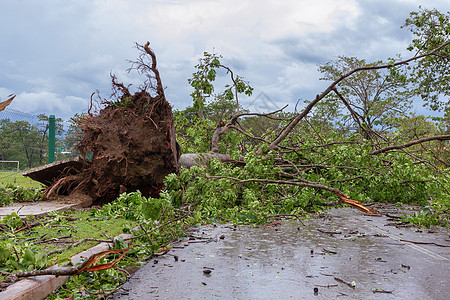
346 258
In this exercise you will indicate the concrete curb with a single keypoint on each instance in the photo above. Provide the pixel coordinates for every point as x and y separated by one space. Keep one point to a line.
39 287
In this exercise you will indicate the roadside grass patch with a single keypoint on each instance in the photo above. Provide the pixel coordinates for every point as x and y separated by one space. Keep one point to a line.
11 194
28 249
154 224
10 178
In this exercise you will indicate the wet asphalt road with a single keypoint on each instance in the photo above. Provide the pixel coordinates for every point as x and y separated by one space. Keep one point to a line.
343 255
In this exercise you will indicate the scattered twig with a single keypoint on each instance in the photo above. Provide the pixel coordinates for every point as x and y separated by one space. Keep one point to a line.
162 225
273 224
328 232
28 226
56 239
406 266
17 212
145 231
381 291
380 235
424 243
329 251
74 244
393 216
345 282
326 286
16 253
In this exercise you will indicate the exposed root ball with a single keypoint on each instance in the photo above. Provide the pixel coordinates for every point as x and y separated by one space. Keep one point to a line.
129 145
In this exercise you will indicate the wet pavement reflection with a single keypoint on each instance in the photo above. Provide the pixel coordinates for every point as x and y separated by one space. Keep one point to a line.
341 255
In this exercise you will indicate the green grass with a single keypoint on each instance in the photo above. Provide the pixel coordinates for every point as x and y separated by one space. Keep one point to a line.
79 229
17 179
54 226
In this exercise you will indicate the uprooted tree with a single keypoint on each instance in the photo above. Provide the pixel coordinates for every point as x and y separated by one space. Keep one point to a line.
130 144
280 162
306 158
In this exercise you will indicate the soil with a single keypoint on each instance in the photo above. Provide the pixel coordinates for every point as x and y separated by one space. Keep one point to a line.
128 145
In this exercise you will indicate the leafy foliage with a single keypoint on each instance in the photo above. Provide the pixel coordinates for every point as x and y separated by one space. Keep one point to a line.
202 82
325 149
431 75
11 194
375 95
135 207
195 125
351 168
21 256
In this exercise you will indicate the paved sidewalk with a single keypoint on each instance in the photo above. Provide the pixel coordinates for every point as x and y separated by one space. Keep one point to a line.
34 208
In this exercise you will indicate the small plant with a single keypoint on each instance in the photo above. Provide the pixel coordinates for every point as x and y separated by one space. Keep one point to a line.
11 194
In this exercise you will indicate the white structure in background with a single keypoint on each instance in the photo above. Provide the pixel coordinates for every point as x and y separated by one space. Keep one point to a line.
262 104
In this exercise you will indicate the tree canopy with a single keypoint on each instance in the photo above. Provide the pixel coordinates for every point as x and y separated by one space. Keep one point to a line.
431 76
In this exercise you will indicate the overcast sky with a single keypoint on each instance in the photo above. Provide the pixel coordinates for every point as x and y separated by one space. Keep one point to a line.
54 54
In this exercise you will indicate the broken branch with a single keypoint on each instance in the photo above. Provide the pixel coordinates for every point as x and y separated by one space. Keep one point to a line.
409 144
305 183
85 266
289 127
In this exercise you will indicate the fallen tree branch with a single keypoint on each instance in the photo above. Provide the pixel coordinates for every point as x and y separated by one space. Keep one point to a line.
289 127
68 271
53 240
409 144
304 183
220 129
223 128
354 114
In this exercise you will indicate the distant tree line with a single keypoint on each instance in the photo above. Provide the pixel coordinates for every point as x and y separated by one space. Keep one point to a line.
27 141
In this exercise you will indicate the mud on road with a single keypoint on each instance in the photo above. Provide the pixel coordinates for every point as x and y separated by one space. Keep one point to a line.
341 255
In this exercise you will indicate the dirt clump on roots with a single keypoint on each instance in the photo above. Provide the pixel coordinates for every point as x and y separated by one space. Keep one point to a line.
128 145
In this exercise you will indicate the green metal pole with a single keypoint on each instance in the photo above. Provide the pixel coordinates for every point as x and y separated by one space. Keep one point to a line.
51 139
